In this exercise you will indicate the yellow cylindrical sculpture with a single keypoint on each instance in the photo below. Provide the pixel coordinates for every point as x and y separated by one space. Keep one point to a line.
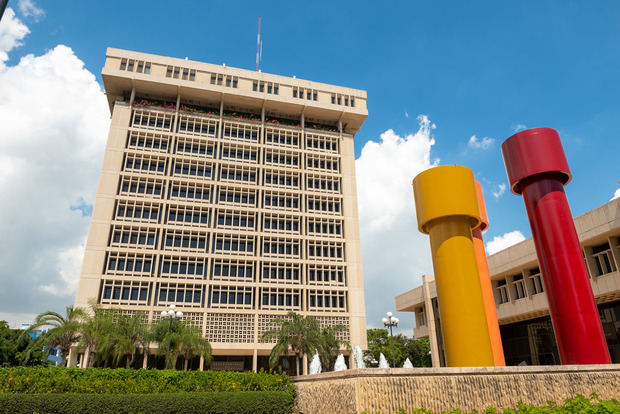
485 282
447 210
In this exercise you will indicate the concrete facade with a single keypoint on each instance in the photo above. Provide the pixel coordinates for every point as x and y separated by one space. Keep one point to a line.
231 194
518 285
386 391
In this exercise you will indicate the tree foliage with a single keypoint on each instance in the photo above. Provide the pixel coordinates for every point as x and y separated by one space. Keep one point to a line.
185 341
300 334
14 348
110 338
63 331
417 350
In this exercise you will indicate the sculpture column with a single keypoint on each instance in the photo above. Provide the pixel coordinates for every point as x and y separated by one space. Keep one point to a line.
447 210
485 282
537 168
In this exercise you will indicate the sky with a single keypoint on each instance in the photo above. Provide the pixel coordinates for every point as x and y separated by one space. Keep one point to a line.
447 83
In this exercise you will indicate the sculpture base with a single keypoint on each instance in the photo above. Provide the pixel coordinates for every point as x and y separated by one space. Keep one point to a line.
442 389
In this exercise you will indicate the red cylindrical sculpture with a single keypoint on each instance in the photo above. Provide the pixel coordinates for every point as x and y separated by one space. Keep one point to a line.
537 168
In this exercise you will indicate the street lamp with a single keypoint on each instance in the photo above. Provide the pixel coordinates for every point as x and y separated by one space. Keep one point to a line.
389 322
170 316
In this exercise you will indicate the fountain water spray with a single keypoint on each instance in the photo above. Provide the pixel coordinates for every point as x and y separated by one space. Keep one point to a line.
340 364
358 357
315 365
383 362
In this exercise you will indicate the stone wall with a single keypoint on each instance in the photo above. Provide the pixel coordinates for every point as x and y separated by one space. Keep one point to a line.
441 389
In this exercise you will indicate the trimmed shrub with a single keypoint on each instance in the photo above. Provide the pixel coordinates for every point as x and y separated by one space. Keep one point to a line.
259 402
40 380
579 404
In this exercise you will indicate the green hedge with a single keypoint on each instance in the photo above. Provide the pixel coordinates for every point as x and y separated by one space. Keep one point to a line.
187 403
579 404
40 380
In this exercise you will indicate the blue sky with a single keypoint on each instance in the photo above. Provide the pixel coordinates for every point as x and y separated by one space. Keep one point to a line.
483 69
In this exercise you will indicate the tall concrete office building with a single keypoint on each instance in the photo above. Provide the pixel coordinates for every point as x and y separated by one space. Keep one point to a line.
231 194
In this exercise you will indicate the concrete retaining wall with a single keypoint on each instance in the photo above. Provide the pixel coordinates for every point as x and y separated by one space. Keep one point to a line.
442 389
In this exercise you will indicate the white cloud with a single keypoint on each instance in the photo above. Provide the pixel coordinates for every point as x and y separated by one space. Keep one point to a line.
501 189
504 241
518 127
616 194
69 268
28 9
54 120
484 143
395 254
12 32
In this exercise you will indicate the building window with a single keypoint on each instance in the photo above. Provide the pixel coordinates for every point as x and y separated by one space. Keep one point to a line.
502 291
332 300
255 86
190 191
230 297
182 267
603 259
180 294
232 269
325 274
237 196
186 240
518 287
234 244
536 281
294 92
123 64
280 272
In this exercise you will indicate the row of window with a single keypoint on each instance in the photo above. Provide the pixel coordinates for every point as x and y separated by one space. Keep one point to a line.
310 94
224 80
139 66
191 295
135 211
146 187
197 168
599 261
136 264
207 126
191 240
269 87
338 99
189 146
177 72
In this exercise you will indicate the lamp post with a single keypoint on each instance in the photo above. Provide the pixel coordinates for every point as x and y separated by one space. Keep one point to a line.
389 322
169 315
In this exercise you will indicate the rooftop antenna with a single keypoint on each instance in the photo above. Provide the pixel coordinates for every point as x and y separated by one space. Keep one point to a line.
259 46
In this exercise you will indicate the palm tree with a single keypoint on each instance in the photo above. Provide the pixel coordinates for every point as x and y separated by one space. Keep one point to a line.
300 334
64 331
185 341
192 344
121 339
93 333
330 346
129 334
